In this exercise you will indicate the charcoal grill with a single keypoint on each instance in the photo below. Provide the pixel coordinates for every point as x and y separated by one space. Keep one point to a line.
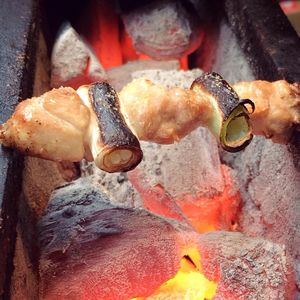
271 46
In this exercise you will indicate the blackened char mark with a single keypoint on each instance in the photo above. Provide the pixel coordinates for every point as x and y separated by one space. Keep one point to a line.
225 95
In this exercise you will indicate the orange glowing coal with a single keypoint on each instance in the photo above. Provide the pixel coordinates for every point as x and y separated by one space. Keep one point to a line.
104 31
188 283
204 214
216 213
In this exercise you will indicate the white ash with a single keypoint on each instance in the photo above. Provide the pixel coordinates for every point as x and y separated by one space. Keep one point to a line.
115 185
72 58
248 268
191 166
163 29
169 78
270 186
121 75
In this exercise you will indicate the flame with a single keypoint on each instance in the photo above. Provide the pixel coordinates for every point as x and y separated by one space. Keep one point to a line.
188 283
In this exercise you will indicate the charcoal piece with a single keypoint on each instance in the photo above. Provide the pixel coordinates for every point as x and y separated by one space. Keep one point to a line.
169 78
230 61
245 267
121 75
200 190
270 186
91 247
73 63
163 29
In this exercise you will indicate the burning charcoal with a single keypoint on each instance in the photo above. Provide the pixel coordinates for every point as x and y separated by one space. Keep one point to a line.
116 185
73 62
155 198
200 189
246 268
270 186
99 24
91 249
163 29
169 78
241 267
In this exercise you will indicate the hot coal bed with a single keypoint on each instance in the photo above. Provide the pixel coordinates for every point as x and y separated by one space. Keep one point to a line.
191 221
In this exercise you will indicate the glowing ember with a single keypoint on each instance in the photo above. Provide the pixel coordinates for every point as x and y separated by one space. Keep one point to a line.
102 28
189 283
204 214
216 213
155 198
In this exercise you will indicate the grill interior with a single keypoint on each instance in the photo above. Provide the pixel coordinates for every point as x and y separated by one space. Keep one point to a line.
264 202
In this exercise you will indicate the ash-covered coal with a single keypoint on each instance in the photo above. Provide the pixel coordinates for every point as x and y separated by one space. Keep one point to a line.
116 185
119 76
245 267
169 78
163 29
73 62
267 173
92 249
230 61
270 187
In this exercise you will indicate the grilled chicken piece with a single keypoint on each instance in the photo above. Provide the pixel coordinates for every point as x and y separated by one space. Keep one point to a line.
277 108
51 126
59 126
162 115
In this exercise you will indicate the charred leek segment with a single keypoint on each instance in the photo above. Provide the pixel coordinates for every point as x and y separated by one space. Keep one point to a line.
230 120
113 146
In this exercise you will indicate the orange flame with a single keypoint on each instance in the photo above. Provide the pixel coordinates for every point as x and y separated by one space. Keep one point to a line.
188 283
